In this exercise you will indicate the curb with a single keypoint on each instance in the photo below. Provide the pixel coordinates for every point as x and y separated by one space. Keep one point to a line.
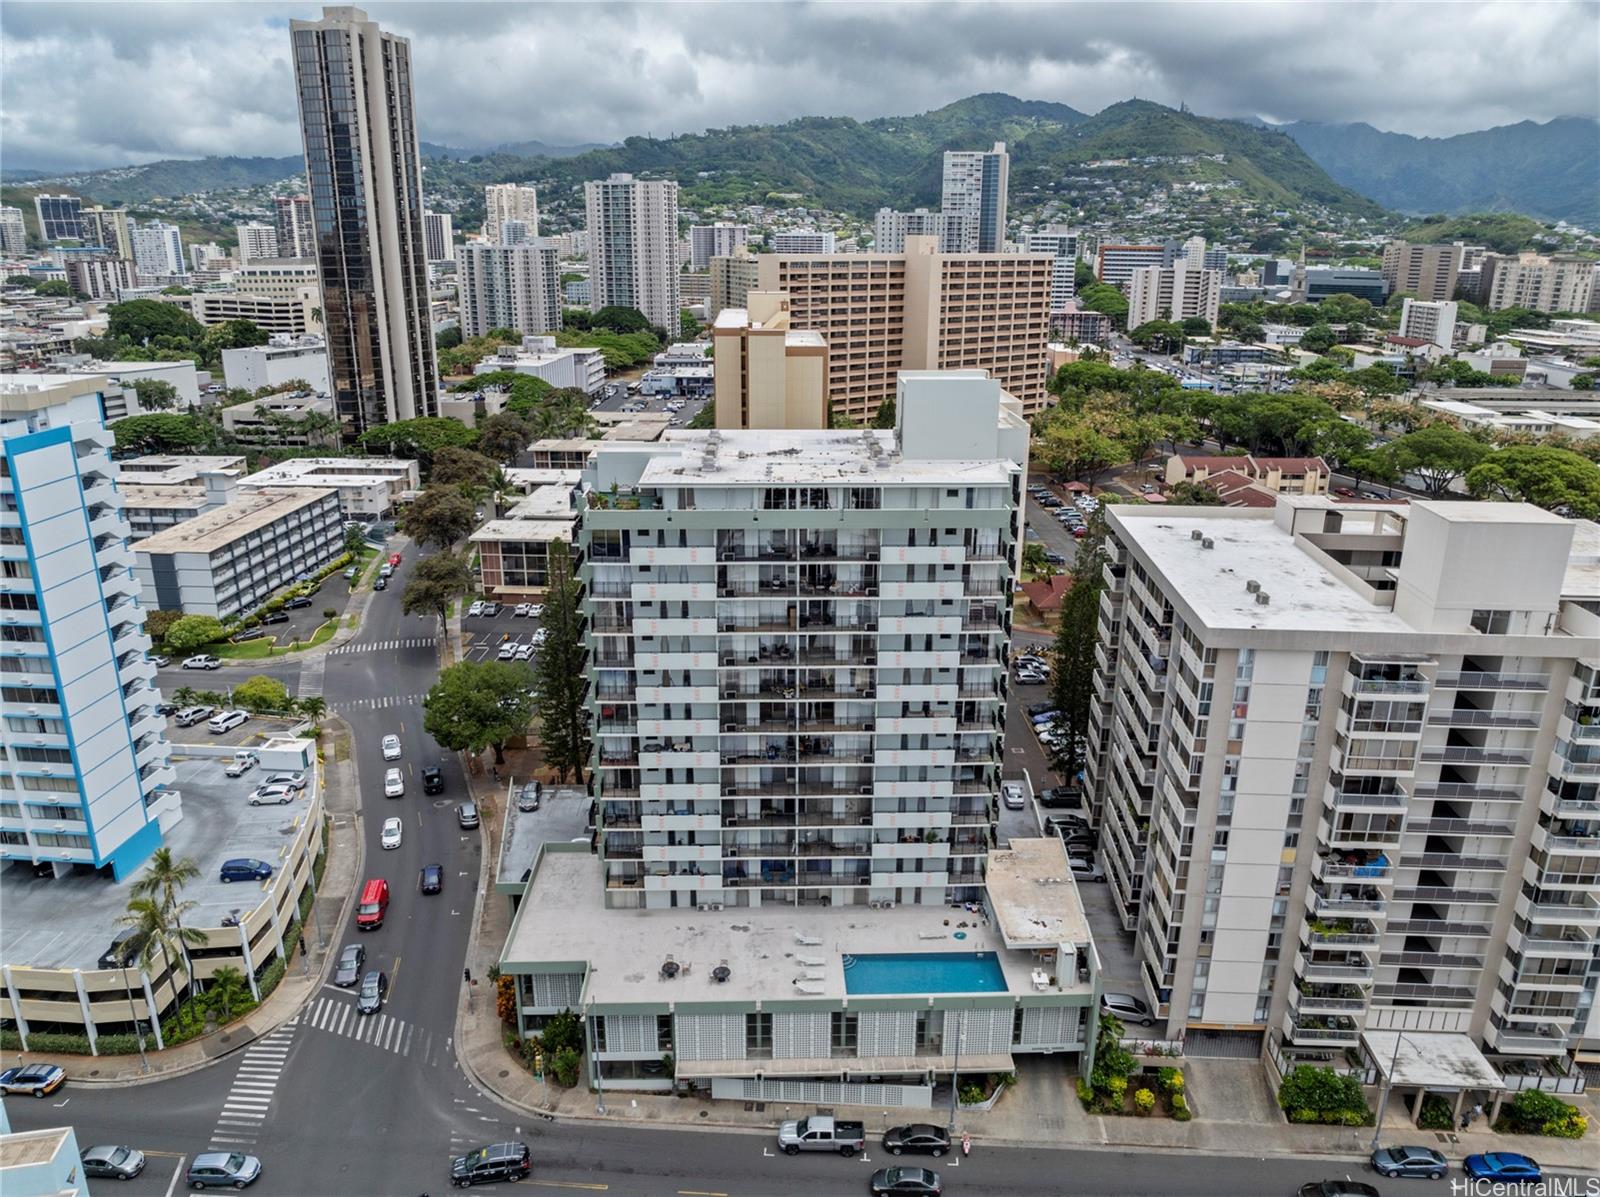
312 983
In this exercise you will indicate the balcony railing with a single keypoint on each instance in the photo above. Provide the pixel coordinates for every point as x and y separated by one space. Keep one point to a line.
1471 680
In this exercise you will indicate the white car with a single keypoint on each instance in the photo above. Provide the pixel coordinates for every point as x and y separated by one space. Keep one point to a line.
475 610
272 796
202 661
1011 794
524 652
391 833
520 611
394 784
508 651
224 722
241 764
1084 869
535 610
540 636
391 748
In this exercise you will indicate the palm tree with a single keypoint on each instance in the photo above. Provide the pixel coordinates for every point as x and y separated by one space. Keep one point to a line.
313 707
226 991
499 487
161 881
161 933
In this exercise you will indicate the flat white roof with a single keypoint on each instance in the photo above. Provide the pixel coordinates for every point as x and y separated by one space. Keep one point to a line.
220 526
529 479
550 502
1582 580
1435 1060
332 471
531 530
791 457
1034 895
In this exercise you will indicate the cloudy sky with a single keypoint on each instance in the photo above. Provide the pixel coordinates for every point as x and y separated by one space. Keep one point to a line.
89 85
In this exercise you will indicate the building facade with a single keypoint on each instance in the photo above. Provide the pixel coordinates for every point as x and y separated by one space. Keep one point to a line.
633 246
580 367
890 230
89 778
60 217
13 232
732 280
975 186
1175 293
1062 246
104 278
1434 322
258 241
277 363
283 277
920 310
109 228
1343 774
1553 283
509 286
439 236
1427 272
767 373
297 235
1115 264
509 201
158 250
369 487
1323 281
359 129
719 240
276 315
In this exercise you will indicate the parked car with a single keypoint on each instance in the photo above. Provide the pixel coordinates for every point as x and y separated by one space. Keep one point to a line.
475 610
508 651
124 949
1084 869
1128 1008
821 1132
348 971
491 609
1057 797
467 814
521 610
219 1169
394 783
202 661
391 748
350 574
269 795
432 879
921 1138
525 652
389 837
1047 707
535 610
528 796
385 570
159 661
1508 1167
35 1080
497 1161
295 781
394 560
905 1182
244 868
298 602
1337 1188
241 764
1066 825
224 722
1011 794
374 988
1409 1161
380 583
432 779
275 617
112 1163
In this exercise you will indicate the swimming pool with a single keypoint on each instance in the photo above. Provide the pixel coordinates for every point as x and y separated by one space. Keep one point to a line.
924 972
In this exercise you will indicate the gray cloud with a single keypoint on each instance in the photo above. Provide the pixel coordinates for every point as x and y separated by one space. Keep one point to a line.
110 84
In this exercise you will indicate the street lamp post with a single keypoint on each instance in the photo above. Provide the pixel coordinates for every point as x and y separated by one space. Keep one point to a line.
138 1023
594 1059
1383 1096
955 1071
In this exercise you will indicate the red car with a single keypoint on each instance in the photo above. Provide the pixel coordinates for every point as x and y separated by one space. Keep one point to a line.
394 560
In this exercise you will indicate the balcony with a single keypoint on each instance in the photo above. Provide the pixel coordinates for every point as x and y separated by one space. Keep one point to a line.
1341 935
1463 754
1349 800
1468 718
1455 860
1309 1031
1330 868
1492 681
1327 970
1338 905
1336 999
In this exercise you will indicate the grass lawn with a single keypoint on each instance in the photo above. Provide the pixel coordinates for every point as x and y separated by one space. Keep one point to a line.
267 646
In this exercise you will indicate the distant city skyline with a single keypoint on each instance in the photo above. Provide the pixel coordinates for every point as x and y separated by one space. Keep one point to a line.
192 80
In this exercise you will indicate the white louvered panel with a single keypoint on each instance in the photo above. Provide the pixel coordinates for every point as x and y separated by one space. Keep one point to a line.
800 1036
632 1033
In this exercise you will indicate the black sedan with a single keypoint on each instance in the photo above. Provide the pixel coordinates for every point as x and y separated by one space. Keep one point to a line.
906 1182
432 880
351 961
374 988
920 1138
1409 1161
114 1163
1337 1188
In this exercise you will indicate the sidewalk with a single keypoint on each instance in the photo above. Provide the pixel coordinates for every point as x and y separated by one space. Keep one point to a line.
300 982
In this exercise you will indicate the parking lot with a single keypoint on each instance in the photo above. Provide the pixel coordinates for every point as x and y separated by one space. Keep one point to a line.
486 635
69 921
563 815
614 396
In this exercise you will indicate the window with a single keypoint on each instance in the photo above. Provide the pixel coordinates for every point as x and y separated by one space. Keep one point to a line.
758 1035
664 1032
843 1032
1492 623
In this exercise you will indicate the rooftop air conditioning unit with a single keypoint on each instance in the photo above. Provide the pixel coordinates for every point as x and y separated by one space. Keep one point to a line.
1262 598
1252 586
1208 543
1196 534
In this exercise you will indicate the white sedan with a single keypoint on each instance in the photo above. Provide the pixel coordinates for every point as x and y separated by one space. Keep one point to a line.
391 748
1011 793
391 833
394 784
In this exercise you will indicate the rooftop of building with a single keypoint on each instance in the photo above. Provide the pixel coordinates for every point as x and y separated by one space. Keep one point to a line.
535 530
299 471
23 1149
156 497
746 457
770 951
24 393
552 501
529 480
1583 562
250 512
164 469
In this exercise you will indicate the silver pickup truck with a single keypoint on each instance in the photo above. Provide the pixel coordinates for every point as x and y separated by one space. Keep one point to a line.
821 1133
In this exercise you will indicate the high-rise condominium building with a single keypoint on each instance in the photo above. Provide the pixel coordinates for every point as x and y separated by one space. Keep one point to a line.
439 236
509 286
768 373
633 246
707 241
202 256
1173 293
365 175
1115 264
109 228
1341 762
1557 283
158 250
1425 271
1062 245
297 235
1434 322
975 183
60 217
890 230
101 276
920 310
509 201
257 240
13 231
732 279
801 241
88 769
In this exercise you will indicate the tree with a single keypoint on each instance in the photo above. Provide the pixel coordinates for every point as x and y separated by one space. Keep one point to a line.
1160 336
1310 1094
1323 369
439 516
160 934
1098 297
461 467
448 338
313 706
620 319
1375 380
1346 309
438 580
1437 455
420 438
261 693
1196 326
155 394
53 288
505 437
1072 684
884 417
1583 382
1319 338
563 728
226 992
230 334
479 704
1192 494
1073 448
156 623
1555 479
22 280
1374 465
142 320
192 632
158 434
688 326
1337 441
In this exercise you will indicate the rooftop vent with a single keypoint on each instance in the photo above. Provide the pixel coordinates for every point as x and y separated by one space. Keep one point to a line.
1208 543
1196 534
1262 598
1252 586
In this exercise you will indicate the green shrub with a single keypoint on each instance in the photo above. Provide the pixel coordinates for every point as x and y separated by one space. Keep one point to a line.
57 1042
1535 1112
122 1045
1085 1093
1169 1080
1322 1095
1180 1108
564 1067
1144 1101
10 1040
1436 1114
271 975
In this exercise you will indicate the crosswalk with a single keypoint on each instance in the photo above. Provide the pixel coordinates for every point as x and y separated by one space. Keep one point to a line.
337 1016
383 646
249 1099
381 702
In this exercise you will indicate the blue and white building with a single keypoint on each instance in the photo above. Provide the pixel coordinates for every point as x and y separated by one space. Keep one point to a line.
86 776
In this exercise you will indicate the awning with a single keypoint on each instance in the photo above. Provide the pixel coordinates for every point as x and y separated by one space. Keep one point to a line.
1443 1062
840 1065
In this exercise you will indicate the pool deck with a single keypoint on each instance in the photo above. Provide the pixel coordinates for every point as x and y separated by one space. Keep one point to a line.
771 952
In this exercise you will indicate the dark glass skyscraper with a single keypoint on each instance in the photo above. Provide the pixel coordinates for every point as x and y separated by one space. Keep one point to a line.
364 172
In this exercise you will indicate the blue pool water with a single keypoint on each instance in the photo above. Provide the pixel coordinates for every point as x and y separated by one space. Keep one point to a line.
924 972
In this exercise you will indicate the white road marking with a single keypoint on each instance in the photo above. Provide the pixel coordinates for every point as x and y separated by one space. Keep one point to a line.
177 1172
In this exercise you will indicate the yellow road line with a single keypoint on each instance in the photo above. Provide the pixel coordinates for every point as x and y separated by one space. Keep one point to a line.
394 979
569 1184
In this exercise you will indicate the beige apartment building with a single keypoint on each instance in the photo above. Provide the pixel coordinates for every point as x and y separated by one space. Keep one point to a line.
733 277
1344 764
919 310
1557 283
1427 272
767 373
296 315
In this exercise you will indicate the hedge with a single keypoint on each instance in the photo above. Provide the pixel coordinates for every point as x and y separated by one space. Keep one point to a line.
1535 1112
72 1044
1321 1095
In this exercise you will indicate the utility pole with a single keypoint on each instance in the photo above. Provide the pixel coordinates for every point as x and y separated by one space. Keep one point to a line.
955 1072
1383 1097
138 1023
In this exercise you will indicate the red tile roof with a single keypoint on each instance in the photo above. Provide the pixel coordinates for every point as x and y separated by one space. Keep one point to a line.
1046 594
